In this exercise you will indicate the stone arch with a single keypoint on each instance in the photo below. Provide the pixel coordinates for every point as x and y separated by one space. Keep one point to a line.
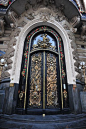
60 27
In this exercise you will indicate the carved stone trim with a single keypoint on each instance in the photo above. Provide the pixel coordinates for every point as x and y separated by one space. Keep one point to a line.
75 21
42 16
13 17
1 27
83 32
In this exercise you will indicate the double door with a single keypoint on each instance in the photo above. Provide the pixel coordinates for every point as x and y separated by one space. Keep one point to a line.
43 92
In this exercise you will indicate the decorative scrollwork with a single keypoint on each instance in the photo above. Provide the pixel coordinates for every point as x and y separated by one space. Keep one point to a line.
35 83
13 17
44 43
52 96
65 94
21 95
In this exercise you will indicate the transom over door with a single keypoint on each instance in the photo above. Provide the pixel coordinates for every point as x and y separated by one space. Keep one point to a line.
43 83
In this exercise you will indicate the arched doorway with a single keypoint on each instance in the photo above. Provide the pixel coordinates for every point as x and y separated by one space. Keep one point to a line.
43 79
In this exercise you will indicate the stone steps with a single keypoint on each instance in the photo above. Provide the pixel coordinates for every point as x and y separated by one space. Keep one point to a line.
67 121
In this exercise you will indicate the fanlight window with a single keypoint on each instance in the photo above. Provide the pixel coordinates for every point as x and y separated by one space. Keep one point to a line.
44 41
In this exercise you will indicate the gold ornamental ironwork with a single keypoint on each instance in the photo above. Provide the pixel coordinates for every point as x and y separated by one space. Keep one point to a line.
35 83
21 95
52 97
65 94
45 43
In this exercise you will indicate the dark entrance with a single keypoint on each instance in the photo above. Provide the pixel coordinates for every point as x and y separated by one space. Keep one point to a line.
43 85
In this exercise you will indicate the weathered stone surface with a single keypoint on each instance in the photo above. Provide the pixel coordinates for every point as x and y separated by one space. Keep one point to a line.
13 41
5 39
66 121
13 17
76 100
15 97
9 67
71 105
83 100
6 100
9 61
3 85
9 51
10 100
2 95
1 27
5 74
3 46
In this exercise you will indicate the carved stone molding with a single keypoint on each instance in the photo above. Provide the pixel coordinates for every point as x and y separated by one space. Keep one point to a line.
47 2
76 63
70 34
76 69
74 30
79 76
1 27
29 16
59 18
5 75
75 21
13 17
9 50
27 5
45 12
47 15
22 23
61 7
82 54
17 31
83 32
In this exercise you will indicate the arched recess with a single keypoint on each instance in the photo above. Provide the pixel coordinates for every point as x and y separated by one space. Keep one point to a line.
15 74
65 35
43 76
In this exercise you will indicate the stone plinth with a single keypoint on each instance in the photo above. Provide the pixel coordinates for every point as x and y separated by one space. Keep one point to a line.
83 100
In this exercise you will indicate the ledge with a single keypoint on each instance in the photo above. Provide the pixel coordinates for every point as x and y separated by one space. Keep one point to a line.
5 80
79 82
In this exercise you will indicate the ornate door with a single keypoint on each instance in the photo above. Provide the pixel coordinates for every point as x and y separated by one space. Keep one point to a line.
43 85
